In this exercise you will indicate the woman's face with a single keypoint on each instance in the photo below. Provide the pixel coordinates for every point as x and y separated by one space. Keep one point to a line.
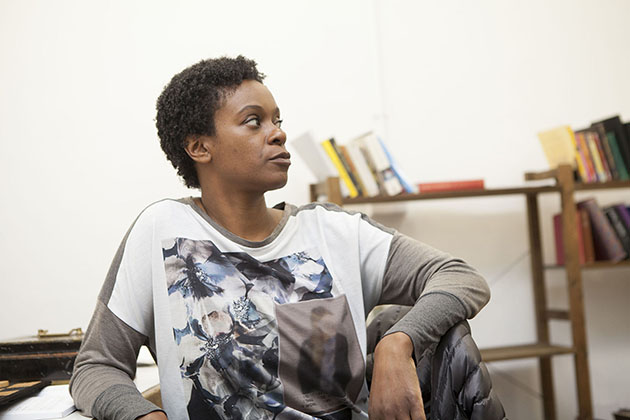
247 149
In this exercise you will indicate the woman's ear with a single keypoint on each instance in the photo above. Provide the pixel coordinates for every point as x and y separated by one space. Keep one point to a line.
198 148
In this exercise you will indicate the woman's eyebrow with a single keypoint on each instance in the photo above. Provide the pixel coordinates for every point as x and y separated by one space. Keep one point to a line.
257 108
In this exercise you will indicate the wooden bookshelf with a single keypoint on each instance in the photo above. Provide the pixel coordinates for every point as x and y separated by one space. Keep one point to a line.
542 349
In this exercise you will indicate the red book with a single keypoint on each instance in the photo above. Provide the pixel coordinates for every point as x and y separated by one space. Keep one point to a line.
471 184
557 230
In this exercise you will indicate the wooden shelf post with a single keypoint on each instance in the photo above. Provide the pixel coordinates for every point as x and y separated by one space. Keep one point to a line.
576 298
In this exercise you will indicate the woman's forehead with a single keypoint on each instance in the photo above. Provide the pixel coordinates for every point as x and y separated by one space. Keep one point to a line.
250 92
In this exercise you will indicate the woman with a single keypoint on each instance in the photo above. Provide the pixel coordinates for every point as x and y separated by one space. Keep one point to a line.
223 289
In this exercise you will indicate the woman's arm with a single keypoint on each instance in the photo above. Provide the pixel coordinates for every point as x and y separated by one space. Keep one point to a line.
101 383
443 291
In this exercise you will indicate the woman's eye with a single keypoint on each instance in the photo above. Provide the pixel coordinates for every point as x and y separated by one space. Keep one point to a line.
253 121
278 123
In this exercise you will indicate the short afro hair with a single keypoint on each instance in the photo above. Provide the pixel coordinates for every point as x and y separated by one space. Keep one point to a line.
187 105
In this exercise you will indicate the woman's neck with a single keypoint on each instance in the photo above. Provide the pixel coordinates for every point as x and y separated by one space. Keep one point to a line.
245 216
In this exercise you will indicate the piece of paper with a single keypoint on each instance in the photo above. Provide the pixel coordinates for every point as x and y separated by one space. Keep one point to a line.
558 145
52 402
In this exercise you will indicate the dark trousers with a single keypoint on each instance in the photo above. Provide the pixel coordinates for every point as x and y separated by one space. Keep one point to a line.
455 383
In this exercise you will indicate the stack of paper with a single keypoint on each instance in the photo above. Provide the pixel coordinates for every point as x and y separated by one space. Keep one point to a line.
52 402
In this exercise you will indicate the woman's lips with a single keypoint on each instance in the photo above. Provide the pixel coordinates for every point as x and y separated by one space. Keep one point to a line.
282 159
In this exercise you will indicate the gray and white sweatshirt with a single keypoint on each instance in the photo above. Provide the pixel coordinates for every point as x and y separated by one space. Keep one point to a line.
270 329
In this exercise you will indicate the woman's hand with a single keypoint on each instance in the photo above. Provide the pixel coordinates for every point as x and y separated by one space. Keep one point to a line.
153 415
395 391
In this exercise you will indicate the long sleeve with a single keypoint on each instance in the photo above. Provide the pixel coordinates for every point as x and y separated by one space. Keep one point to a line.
443 290
102 381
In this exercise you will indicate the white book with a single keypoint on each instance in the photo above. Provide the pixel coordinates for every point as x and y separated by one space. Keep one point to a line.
381 163
361 165
52 402
315 158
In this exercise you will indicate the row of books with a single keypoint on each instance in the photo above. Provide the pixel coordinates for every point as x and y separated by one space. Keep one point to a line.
364 165
603 232
600 153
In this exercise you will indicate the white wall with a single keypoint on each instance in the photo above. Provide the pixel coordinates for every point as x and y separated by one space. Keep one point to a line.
458 89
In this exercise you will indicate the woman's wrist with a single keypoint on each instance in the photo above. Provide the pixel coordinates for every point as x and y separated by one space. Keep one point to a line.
154 415
397 344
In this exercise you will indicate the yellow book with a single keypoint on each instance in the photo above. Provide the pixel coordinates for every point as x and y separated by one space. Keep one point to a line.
558 145
578 157
330 151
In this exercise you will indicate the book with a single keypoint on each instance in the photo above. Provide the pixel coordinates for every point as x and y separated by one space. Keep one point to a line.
589 167
52 402
607 245
620 228
352 169
615 126
315 158
15 391
624 213
610 158
376 157
557 144
370 187
559 239
602 154
580 159
346 165
407 186
595 156
622 169
587 236
462 185
341 170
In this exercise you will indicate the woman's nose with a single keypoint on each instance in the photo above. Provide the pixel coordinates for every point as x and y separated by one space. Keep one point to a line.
278 136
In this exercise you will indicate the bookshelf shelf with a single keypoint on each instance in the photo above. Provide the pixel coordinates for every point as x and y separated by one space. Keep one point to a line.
543 350
595 265
602 185
525 351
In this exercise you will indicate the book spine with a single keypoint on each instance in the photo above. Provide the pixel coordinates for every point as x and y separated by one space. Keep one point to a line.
590 170
343 156
353 170
621 165
587 236
624 144
610 158
343 174
602 155
346 165
592 147
363 170
465 185
624 214
615 126
620 229
376 175
607 245
381 163
403 180
580 159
